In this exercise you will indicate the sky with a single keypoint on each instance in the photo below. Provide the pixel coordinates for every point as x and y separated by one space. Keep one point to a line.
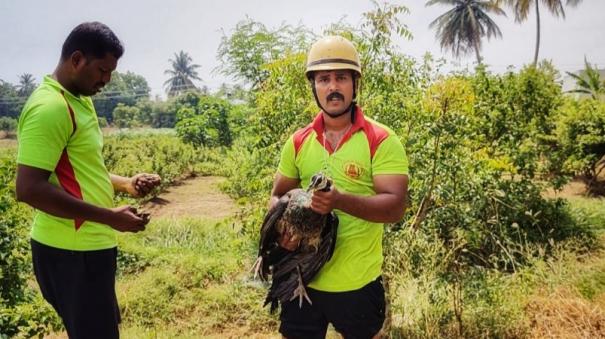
32 32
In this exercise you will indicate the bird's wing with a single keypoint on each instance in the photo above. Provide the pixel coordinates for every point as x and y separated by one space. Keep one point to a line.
325 249
309 262
268 247
268 230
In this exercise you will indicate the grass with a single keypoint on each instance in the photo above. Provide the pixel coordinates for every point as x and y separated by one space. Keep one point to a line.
592 210
188 278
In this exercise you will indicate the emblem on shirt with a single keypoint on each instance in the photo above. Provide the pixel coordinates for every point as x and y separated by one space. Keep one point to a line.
353 170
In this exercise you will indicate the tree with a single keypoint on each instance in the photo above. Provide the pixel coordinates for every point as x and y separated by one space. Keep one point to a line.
581 137
26 85
252 45
182 74
206 123
461 28
589 82
521 9
10 102
125 88
126 116
232 93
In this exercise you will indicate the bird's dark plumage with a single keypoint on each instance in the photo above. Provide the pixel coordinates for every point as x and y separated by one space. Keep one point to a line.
291 271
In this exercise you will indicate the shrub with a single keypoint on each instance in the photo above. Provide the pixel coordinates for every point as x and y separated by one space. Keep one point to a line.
8 124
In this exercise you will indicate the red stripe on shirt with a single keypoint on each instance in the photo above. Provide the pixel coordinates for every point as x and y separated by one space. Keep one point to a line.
300 136
376 135
67 179
65 171
71 114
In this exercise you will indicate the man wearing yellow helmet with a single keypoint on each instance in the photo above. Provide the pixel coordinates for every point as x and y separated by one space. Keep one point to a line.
369 167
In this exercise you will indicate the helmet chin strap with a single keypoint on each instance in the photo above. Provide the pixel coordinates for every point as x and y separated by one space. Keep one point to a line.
350 108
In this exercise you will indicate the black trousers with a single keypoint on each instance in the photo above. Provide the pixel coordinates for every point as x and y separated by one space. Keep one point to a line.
357 314
80 285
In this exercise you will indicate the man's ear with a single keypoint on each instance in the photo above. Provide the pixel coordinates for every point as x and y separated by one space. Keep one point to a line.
77 59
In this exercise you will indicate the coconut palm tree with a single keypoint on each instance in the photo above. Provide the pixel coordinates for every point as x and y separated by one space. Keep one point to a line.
182 74
521 9
589 82
27 84
461 28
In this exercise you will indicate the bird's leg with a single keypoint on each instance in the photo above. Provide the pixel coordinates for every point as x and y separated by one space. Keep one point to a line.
257 265
300 290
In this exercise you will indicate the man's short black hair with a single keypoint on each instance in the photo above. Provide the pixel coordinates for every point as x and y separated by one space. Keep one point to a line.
92 39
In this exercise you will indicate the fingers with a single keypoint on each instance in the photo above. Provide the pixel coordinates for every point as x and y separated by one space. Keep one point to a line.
129 219
324 202
144 183
321 202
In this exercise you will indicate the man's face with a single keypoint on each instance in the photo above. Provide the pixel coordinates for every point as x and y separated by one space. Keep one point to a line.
334 90
92 74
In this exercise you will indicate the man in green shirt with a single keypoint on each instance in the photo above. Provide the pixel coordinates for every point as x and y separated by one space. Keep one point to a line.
369 167
62 174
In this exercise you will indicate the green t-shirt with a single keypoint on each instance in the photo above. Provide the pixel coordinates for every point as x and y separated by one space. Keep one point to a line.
59 132
368 149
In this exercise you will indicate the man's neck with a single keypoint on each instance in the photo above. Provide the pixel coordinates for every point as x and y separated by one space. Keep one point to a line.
337 124
62 78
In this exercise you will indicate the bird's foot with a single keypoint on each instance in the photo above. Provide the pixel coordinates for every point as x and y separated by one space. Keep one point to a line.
300 291
257 266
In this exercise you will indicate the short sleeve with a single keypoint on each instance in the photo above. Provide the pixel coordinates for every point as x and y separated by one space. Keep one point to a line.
44 130
390 158
287 165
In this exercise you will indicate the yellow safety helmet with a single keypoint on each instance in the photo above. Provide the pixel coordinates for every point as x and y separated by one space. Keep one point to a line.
332 53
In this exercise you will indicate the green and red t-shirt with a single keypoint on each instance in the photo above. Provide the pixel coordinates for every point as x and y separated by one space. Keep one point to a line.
366 150
59 132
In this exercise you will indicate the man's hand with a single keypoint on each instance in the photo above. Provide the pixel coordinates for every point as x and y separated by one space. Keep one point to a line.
324 202
127 219
141 184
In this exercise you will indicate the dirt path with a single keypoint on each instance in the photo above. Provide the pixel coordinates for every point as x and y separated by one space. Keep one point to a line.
199 197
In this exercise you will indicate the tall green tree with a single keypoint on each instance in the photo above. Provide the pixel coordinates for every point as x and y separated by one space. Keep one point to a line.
521 9
462 28
27 84
252 45
589 82
182 74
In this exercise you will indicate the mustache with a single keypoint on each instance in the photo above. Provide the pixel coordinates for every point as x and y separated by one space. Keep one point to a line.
335 95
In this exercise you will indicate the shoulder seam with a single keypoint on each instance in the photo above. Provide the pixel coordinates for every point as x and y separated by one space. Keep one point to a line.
376 134
299 137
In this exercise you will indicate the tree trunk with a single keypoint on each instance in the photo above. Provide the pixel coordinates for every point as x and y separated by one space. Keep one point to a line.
477 53
537 32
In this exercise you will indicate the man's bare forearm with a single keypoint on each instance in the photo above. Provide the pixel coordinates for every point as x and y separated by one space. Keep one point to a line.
382 208
119 183
52 200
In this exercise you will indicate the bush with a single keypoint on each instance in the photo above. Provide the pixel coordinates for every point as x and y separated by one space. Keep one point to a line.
8 124
581 135
129 154
126 116
22 311
206 123
103 122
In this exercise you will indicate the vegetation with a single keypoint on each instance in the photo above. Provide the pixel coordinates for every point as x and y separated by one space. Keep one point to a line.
589 82
205 124
26 85
521 9
462 28
481 251
182 74
8 124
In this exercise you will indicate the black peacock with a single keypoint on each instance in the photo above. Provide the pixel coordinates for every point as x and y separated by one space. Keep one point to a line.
291 271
